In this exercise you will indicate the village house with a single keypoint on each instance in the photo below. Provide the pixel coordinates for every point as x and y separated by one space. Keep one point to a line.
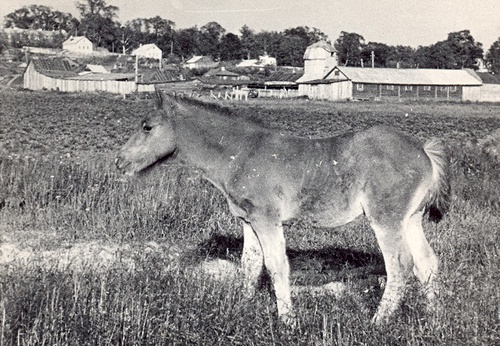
78 44
263 61
200 62
150 51
224 75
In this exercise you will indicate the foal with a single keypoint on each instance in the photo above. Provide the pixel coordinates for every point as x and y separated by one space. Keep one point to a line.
268 178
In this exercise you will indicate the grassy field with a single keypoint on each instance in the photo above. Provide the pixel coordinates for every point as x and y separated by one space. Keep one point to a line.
91 258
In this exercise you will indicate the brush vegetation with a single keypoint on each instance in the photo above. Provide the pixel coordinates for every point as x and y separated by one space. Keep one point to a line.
59 191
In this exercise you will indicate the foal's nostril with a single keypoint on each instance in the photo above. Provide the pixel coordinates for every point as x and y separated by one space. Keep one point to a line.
119 162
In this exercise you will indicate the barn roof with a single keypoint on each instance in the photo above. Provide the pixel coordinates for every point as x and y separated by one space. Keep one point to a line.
56 67
283 78
404 76
318 50
489 78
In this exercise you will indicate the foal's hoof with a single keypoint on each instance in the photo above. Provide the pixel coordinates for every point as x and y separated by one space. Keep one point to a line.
289 320
379 320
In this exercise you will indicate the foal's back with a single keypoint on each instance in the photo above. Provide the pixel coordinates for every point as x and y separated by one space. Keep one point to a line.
328 180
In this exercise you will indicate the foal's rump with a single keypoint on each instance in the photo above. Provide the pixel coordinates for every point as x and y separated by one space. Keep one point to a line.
395 169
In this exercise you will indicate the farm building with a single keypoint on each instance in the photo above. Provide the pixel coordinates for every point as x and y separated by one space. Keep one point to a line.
60 74
148 51
200 62
281 84
65 75
78 44
490 91
345 83
319 59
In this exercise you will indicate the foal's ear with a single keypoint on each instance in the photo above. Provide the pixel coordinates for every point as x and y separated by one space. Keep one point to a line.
164 101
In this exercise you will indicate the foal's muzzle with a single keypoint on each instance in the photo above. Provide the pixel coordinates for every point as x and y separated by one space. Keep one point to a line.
121 164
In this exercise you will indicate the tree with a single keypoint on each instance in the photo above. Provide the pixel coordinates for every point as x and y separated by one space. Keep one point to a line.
230 47
248 43
98 22
40 17
291 51
493 57
349 47
151 30
211 34
465 49
187 42
380 51
401 56
295 41
269 42
459 50
97 7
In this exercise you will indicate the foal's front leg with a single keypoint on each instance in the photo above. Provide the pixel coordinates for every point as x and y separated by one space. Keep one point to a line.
252 260
272 241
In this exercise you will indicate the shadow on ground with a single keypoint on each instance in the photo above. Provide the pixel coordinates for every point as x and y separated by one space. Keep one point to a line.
309 267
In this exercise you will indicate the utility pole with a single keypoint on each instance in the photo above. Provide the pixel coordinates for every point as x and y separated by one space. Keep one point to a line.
123 40
373 59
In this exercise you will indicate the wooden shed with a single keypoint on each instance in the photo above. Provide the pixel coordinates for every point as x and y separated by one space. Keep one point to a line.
344 83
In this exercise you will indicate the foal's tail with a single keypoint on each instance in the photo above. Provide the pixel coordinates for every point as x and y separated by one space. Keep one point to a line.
440 191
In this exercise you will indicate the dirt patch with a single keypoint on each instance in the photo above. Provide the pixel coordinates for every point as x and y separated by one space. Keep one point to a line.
79 256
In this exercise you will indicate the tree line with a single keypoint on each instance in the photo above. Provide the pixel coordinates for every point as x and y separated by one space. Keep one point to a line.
98 22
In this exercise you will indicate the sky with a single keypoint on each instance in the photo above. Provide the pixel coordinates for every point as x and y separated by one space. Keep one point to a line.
394 22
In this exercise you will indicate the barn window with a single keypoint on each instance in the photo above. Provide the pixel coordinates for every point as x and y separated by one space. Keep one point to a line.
453 89
427 88
443 88
360 87
337 73
390 87
408 87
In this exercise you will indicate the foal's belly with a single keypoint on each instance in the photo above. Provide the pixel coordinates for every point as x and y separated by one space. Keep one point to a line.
334 211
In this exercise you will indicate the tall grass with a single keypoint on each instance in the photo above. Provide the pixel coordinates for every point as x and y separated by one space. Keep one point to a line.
59 198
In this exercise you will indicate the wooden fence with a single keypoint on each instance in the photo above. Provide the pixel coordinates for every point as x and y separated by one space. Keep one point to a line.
35 80
278 93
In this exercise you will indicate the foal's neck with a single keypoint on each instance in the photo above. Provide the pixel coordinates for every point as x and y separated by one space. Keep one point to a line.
210 141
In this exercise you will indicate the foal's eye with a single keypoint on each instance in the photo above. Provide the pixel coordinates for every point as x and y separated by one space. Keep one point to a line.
146 127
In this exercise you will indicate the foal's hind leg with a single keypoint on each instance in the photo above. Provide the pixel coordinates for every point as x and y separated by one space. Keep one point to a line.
398 264
424 259
252 260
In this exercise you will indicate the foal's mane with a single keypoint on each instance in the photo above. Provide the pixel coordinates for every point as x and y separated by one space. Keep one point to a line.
229 114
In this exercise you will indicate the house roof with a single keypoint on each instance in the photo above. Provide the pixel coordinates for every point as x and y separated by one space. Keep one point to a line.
199 58
403 76
77 40
248 63
104 76
220 72
146 48
96 68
